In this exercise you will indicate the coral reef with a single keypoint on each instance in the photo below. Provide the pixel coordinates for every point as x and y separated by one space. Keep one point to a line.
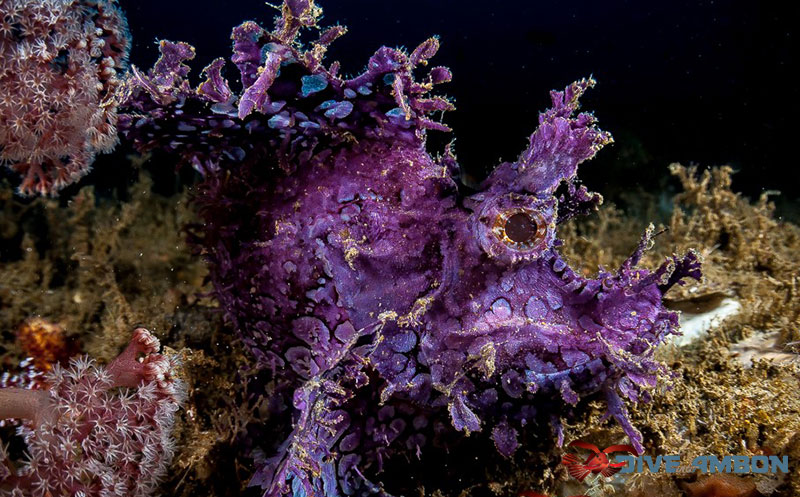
60 62
95 267
43 345
756 259
748 253
717 403
85 439
387 306
383 311
42 273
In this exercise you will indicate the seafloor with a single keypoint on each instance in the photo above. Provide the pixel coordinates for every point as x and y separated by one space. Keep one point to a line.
96 267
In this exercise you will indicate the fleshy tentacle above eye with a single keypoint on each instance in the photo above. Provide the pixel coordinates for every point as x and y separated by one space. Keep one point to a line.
517 211
556 148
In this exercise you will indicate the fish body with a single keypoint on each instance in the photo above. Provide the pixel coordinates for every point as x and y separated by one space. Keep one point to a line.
387 304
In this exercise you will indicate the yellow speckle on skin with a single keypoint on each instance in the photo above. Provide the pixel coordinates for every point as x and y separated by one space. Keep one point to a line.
350 256
420 307
387 316
488 356
280 225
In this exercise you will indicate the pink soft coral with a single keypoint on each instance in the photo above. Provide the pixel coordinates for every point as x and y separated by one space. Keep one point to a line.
85 437
59 66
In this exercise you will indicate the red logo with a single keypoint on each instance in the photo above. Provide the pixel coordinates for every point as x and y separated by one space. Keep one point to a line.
597 462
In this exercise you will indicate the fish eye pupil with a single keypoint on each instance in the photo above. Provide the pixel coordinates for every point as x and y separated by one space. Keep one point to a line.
521 228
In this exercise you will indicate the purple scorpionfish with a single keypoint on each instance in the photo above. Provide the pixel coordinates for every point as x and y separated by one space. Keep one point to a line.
379 297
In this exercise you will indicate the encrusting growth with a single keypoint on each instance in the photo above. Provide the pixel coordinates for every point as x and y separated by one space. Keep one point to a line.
86 439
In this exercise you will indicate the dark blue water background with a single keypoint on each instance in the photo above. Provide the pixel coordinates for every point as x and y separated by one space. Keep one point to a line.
703 82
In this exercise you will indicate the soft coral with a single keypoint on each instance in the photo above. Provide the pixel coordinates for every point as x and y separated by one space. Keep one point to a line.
86 439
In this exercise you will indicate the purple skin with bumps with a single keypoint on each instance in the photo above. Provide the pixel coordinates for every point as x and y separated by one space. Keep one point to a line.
391 306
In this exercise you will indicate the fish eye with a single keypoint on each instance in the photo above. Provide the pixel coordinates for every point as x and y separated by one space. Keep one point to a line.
520 229
515 227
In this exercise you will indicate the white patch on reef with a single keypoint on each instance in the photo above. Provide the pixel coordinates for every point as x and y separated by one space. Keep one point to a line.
697 326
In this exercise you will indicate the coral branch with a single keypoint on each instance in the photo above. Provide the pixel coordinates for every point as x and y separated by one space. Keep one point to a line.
127 371
34 405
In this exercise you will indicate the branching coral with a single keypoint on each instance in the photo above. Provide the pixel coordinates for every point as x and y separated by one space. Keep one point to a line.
85 438
59 67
